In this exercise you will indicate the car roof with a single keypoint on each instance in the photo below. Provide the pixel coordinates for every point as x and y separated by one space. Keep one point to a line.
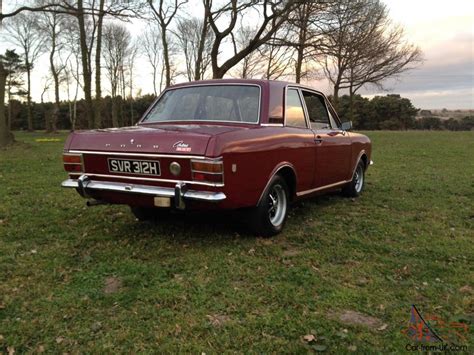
262 82
274 100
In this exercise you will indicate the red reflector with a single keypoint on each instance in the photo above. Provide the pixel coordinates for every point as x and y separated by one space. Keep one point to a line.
217 178
76 168
199 176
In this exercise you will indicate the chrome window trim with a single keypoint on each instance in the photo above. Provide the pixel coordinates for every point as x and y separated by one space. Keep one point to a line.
271 124
154 180
305 109
142 120
293 87
326 102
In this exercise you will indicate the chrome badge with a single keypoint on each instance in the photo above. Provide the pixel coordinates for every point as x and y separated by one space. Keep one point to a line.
180 146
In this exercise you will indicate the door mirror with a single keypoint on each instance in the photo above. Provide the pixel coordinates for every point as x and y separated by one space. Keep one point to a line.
346 126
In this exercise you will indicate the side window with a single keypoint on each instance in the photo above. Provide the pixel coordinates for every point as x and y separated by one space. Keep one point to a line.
294 110
317 111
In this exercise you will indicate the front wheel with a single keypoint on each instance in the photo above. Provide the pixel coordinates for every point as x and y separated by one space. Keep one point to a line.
354 188
269 216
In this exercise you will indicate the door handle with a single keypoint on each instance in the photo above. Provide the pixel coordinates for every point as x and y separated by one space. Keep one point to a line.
318 140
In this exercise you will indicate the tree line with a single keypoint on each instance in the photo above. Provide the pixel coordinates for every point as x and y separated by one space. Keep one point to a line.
351 43
390 112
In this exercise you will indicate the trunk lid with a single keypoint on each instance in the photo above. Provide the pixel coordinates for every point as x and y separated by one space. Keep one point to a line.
188 139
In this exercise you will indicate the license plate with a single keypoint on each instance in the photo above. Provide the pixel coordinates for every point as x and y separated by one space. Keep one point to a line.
139 167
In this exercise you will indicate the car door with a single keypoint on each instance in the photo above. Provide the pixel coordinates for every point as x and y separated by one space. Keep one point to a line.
299 138
332 144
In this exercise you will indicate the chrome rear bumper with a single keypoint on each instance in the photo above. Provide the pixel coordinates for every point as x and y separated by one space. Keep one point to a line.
180 193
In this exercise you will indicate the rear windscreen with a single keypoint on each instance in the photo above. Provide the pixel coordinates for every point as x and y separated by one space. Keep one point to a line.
230 103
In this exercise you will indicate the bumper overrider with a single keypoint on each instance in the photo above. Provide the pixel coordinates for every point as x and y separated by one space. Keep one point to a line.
178 195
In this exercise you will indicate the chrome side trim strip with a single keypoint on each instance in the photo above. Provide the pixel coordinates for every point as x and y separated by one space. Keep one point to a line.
156 180
271 124
301 193
142 154
145 190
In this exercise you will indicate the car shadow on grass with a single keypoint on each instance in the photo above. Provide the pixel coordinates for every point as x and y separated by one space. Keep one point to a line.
213 226
217 226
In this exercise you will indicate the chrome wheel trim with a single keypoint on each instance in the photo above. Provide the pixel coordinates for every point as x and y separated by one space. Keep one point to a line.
277 204
359 179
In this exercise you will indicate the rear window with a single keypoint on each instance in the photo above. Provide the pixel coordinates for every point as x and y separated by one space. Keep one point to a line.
230 103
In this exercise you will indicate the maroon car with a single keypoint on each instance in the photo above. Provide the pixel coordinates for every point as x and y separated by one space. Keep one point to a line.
222 144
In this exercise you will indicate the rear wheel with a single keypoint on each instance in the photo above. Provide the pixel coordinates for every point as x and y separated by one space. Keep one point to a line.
355 187
269 216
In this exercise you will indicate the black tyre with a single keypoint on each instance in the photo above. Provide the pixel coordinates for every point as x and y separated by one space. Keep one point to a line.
355 187
269 216
143 213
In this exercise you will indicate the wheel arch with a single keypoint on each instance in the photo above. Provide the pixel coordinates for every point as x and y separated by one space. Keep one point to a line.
288 172
362 156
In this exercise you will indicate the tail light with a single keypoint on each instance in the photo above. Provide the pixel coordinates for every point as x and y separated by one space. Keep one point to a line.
73 163
211 171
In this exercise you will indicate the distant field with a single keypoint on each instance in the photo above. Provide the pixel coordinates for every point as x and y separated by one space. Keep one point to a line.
77 279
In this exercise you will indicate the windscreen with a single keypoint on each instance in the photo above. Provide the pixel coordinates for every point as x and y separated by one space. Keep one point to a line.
230 103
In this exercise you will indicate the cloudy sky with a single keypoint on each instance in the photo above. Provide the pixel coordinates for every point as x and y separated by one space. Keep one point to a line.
443 30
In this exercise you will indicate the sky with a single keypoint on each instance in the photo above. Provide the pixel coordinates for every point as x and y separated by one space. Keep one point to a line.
444 31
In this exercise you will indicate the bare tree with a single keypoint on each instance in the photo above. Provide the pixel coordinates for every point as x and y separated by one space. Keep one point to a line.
79 10
195 42
164 12
150 45
278 59
52 24
303 30
71 75
252 65
71 62
273 14
363 47
23 31
133 52
98 48
86 49
117 42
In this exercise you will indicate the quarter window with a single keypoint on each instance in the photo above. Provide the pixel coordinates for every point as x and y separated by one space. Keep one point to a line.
294 110
317 111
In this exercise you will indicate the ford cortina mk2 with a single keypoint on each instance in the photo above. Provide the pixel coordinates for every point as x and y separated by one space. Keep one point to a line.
222 144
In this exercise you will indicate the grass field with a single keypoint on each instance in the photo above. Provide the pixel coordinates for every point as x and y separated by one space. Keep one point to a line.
83 279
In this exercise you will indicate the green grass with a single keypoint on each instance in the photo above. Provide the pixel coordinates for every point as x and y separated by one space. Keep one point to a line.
201 284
